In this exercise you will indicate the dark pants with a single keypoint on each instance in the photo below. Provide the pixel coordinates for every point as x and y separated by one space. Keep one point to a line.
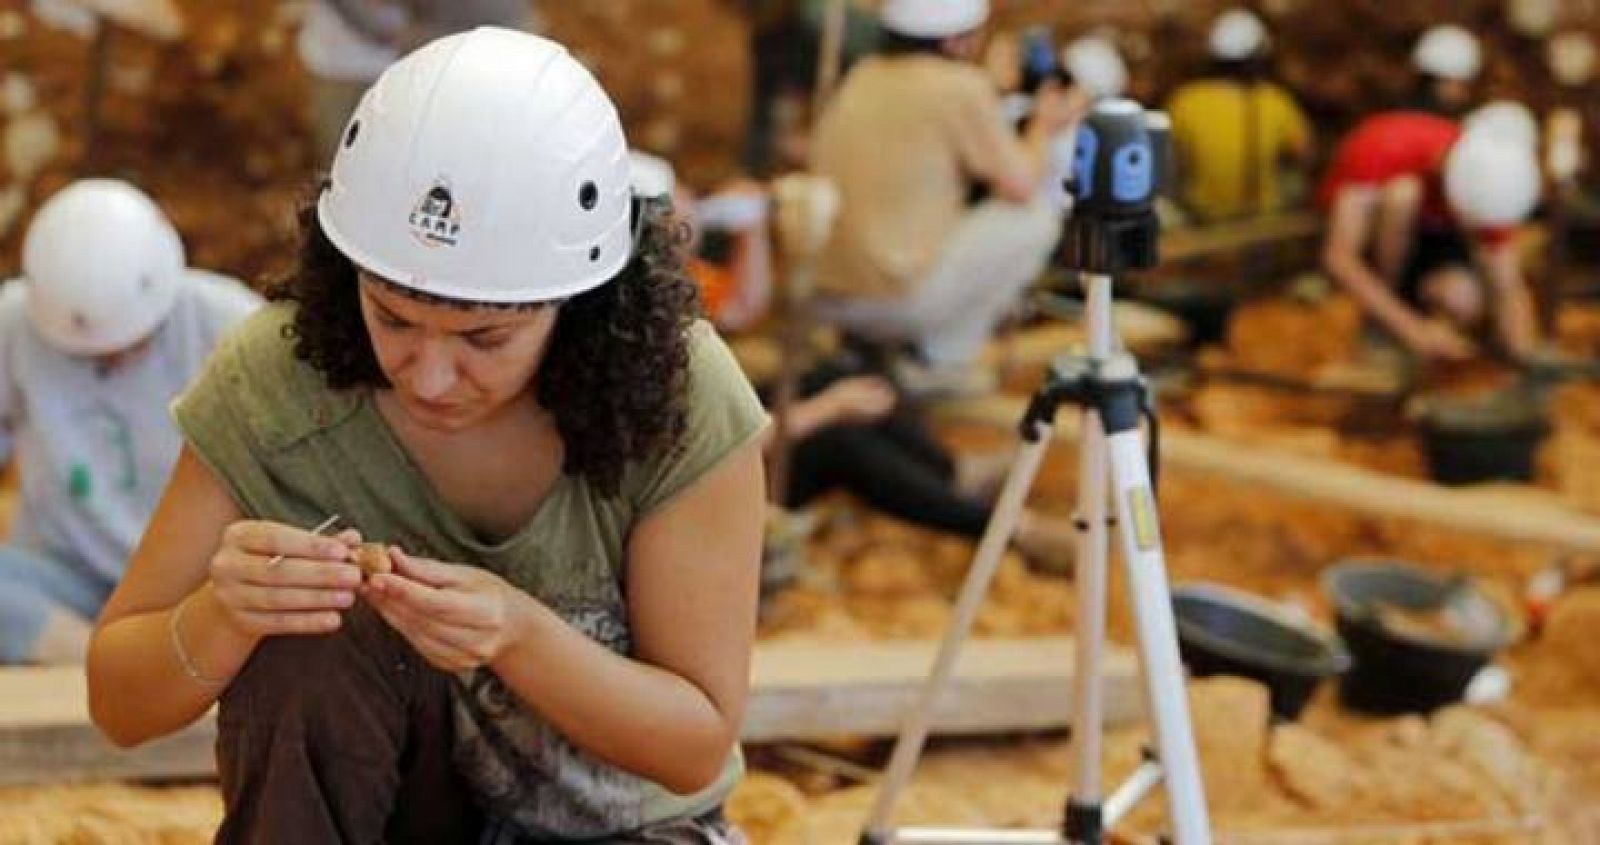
347 739
1432 249
895 465
341 739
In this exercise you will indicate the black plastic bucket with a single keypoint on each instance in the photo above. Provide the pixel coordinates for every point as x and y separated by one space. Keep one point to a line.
1411 668
1222 631
1486 439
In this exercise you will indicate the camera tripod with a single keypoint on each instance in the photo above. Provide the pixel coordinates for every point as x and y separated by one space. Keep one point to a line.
1119 163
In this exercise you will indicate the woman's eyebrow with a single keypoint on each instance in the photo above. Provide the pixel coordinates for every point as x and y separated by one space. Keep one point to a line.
385 311
483 330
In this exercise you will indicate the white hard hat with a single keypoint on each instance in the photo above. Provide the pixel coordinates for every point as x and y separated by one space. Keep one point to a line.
651 176
1571 56
1506 120
1448 52
487 166
1490 181
933 18
1237 35
102 265
1095 64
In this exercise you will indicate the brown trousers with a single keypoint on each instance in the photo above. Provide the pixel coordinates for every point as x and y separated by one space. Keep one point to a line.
347 739
343 738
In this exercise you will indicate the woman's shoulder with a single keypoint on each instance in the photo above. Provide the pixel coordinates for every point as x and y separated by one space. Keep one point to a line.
273 393
721 414
714 372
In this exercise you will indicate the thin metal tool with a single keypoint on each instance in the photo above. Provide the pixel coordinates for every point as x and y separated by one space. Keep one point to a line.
326 524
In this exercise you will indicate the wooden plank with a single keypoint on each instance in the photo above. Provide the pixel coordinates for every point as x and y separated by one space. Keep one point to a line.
46 736
811 690
1200 241
799 691
1143 330
1531 519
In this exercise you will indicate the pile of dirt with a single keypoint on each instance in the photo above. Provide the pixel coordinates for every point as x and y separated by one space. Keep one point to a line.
871 577
1294 337
1461 767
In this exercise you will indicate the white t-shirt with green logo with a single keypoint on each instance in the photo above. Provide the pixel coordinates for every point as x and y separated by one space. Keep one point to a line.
93 447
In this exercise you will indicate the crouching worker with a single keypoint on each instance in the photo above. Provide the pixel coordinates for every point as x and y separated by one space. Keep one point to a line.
487 361
105 327
1421 226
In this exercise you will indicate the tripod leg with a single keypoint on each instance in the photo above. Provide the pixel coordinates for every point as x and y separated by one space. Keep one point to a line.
914 731
1140 530
1084 823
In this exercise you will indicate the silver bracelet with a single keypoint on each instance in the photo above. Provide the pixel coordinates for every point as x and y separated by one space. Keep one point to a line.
183 654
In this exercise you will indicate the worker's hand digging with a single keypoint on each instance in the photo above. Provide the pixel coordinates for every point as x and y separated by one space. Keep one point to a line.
457 617
1440 341
274 579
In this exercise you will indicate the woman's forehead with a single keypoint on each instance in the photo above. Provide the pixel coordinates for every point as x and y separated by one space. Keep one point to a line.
452 316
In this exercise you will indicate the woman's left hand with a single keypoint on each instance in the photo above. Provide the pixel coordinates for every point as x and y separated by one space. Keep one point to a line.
457 617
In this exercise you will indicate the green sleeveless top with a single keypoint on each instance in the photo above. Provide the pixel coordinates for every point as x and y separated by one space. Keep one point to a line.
292 450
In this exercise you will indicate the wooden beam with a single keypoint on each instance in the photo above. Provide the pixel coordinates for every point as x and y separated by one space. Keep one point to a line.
46 736
799 691
1143 330
1200 241
1533 518
810 690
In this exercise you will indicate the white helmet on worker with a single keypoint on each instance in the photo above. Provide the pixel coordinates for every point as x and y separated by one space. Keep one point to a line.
933 18
1237 35
651 175
1491 181
102 266
487 166
1506 120
1096 65
1448 52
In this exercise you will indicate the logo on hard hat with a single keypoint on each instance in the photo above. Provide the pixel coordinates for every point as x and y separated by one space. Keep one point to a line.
436 219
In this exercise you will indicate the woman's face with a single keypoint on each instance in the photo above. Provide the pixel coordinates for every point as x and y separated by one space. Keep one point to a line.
450 367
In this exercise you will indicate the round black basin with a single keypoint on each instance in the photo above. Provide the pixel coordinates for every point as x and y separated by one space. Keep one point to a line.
1417 637
1222 631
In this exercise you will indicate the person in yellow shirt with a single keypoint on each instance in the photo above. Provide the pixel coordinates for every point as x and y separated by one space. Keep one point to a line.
1234 131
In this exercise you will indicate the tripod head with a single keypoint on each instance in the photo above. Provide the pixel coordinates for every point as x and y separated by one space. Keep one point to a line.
1120 165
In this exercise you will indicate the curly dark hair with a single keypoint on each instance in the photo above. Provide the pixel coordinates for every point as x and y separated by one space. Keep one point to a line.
615 369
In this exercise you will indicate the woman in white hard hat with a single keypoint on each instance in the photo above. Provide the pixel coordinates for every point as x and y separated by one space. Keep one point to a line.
1235 131
1448 60
1421 232
488 363
104 328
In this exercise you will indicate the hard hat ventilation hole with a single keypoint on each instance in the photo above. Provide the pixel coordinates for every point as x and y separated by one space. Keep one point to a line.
145 282
79 321
351 133
589 196
594 254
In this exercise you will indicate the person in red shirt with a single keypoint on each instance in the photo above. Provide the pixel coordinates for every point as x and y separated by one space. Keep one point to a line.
1420 231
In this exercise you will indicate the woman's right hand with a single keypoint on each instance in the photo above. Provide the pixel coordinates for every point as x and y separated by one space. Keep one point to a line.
303 593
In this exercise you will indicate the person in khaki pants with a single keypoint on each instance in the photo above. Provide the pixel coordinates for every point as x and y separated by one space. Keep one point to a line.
912 134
